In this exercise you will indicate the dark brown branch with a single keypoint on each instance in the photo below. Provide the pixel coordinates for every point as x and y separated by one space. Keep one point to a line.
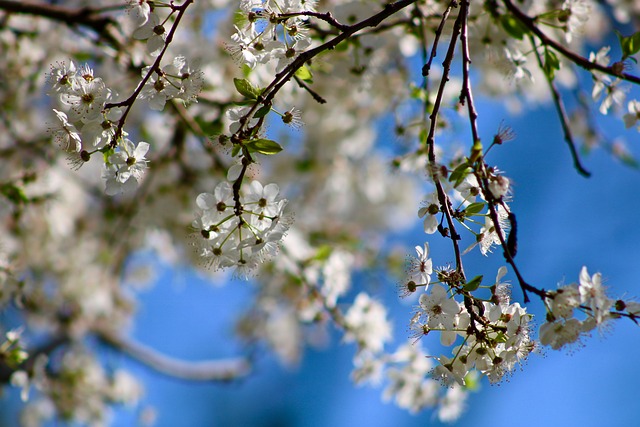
445 15
466 93
562 115
216 370
86 16
315 95
326 17
92 18
530 24
155 67
443 199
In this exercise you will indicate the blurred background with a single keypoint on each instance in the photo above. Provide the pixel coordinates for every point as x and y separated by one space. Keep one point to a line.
565 221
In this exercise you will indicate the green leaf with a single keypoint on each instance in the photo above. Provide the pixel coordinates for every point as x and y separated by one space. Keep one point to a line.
14 193
551 63
245 88
630 45
474 208
459 174
263 146
106 153
473 284
323 253
263 111
303 73
235 150
512 26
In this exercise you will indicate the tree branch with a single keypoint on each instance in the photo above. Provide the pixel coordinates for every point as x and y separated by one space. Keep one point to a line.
562 114
93 18
530 24
215 370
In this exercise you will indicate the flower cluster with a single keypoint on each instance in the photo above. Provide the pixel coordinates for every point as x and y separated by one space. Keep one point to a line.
237 229
85 126
270 30
496 337
587 296
175 81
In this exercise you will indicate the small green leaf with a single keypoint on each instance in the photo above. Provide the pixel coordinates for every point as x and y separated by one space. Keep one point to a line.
263 111
245 88
459 174
303 73
512 26
14 193
473 284
106 153
501 337
263 146
323 253
474 208
630 45
551 63
235 150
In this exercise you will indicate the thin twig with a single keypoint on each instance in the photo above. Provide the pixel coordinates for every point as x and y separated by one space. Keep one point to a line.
315 95
562 114
427 66
443 199
326 17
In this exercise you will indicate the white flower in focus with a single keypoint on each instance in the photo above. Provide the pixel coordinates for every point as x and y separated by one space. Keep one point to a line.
87 99
488 235
126 167
501 290
498 186
98 133
469 188
235 114
430 208
139 10
154 33
65 133
62 78
158 90
592 295
450 372
262 200
421 267
285 54
228 236
440 309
